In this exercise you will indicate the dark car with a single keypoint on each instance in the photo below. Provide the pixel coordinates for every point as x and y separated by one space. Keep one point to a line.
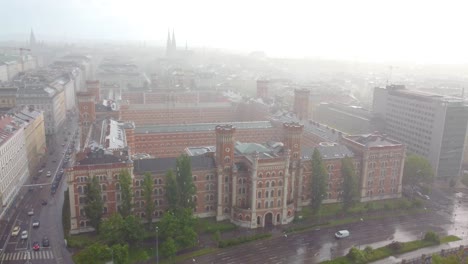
44 202
36 246
53 190
45 242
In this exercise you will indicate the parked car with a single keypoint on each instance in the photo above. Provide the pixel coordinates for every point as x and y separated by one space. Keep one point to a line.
24 234
15 231
31 212
342 234
44 202
35 223
45 242
49 174
426 197
41 170
36 246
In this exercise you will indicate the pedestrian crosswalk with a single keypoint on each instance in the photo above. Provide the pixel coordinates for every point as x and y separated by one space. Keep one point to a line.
25 255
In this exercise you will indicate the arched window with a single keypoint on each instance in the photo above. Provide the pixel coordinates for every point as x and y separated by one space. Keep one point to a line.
268 184
226 179
117 186
80 189
266 204
259 195
194 178
260 175
259 205
279 193
240 181
240 217
273 184
247 218
280 173
268 175
280 183
103 187
227 159
260 184
273 174
266 194
271 204
272 193
279 203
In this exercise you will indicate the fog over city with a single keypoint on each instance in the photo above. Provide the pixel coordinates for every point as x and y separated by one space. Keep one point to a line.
364 30
283 132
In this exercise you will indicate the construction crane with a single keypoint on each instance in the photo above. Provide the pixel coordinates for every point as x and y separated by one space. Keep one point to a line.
20 52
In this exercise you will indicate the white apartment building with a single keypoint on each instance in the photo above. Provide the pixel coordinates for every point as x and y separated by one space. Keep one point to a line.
13 161
432 126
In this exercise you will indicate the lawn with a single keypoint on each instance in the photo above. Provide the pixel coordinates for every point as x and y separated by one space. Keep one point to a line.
210 225
369 255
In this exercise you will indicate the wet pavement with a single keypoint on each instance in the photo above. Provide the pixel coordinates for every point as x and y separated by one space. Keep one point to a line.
447 214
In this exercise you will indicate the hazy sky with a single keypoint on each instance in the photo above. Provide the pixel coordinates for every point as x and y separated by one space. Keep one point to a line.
371 30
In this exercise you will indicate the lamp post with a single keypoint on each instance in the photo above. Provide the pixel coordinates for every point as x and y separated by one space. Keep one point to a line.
157 245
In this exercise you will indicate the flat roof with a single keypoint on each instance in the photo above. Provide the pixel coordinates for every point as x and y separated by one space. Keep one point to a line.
200 127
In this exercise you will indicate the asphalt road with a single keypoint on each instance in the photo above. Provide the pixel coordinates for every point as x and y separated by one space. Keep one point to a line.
17 250
446 215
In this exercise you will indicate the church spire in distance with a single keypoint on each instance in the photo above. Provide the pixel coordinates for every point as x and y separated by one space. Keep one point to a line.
174 46
32 39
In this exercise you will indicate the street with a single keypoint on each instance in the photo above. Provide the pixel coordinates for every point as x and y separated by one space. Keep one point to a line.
447 216
45 204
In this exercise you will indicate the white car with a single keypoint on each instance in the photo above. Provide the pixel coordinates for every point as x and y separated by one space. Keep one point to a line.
342 234
31 212
24 234
49 174
35 223
15 231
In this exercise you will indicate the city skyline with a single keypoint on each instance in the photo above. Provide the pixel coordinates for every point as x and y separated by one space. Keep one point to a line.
418 32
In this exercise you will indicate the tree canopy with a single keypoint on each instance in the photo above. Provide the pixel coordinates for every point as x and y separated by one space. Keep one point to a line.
319 181
125 181
350 183
417 170
117 229
179 187
94 204
149 203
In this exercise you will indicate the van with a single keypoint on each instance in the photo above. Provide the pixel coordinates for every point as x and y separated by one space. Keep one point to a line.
342 234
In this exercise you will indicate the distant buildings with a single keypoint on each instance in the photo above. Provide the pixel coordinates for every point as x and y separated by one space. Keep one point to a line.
13 159
432 126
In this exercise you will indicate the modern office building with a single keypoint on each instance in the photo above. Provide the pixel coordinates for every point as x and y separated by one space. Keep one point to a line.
431 125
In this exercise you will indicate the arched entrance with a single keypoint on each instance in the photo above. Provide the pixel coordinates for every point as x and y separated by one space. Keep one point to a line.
268 219
278 219
259 220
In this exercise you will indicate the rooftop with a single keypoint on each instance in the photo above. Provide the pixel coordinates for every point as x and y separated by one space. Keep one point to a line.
162 165
328 151
180 105
8 127
416 94
199 127
373 140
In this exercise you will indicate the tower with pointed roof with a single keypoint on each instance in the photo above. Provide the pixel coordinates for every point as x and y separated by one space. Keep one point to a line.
171 46
32 39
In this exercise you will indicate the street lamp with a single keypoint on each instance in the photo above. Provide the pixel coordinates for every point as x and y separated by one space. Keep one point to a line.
157 245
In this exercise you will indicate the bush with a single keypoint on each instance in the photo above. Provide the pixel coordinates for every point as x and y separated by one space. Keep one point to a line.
356 255
395 246
368 250
432 237
241 240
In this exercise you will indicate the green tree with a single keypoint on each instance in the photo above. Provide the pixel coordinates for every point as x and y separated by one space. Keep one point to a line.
185 181
95 252
125 181
417 170
117 229
169 248
134 229
217 237
147 194
179 225
120 253
172 191
112 230
94 204
319 181
350 183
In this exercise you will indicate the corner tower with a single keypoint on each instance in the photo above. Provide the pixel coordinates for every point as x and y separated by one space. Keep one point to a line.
224 163
292 135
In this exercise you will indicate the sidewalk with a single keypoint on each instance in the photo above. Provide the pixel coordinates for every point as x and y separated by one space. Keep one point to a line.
427 251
